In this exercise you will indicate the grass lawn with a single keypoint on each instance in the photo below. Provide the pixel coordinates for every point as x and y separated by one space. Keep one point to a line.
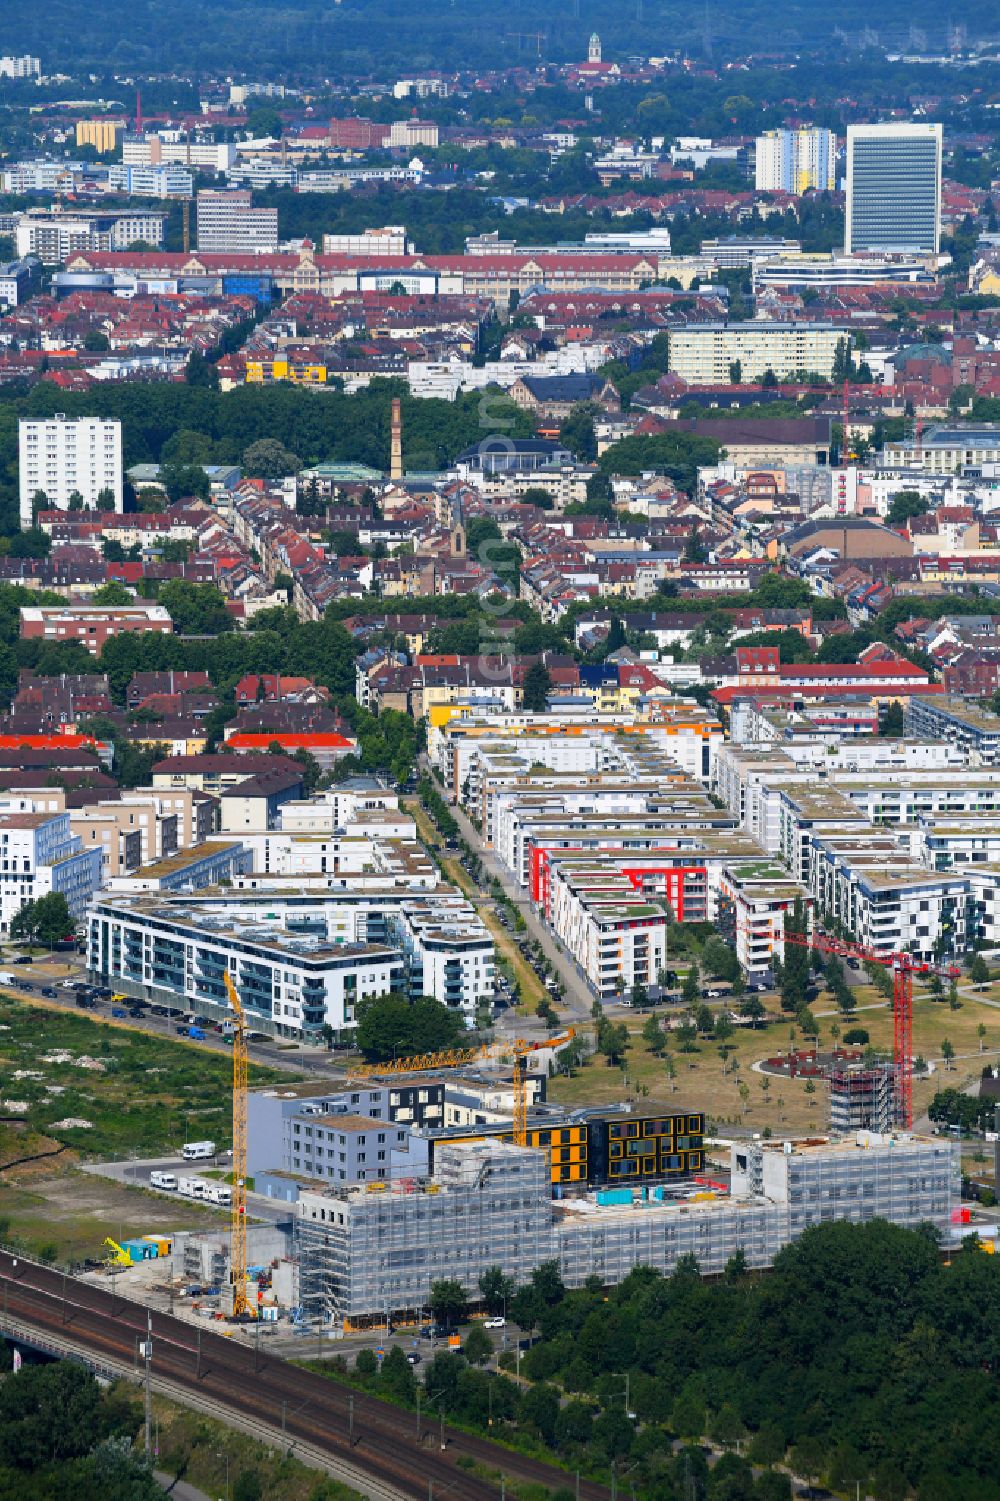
65 1215
784 1104
110 1091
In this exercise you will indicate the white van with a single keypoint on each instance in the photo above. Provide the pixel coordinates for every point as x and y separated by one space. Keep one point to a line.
196 1151
163 1180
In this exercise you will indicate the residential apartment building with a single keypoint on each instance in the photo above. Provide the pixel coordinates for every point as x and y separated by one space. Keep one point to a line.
291 983
894 188
92 625
709 353
56 235
61 456
953 448
794 161
229 223
20 67
313 954
39 854
152 182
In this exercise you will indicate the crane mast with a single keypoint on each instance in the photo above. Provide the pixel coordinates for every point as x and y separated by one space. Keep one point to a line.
238 1240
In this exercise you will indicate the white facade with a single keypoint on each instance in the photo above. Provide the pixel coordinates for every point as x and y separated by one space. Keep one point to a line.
793 161
57 236
300 960
228 223
703 353
20 67
390 240
152 182
60 455
40 854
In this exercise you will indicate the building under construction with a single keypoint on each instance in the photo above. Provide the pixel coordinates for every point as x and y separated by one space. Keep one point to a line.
373 1251
862 1096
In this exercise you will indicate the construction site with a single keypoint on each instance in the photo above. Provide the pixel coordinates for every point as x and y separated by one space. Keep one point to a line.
440 1167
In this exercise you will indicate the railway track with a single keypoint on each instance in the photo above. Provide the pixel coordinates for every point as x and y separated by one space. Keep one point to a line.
327 1423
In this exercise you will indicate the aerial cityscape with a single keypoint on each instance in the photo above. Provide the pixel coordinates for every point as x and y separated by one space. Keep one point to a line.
499 752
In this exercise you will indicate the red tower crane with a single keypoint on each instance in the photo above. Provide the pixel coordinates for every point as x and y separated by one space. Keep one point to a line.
904 966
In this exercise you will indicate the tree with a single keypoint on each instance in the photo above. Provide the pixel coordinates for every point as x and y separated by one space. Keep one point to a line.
113 592
47 1413
270 460
199 372
392 1026
536 689
497 1288
807 1460
652 1036
904 505
892 723
795 960
248 1487
947 1050
47 920
979 971
754 1009
612 1039
448 1302
478 1347
691 989
195 609
726 1427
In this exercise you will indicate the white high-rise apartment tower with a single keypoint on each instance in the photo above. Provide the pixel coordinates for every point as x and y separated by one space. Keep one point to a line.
793 161
894 188
62 455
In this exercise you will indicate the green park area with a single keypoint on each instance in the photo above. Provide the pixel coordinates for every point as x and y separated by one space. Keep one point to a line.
715 1073
111 1092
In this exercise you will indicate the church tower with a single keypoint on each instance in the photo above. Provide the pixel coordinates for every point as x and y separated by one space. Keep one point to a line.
594 50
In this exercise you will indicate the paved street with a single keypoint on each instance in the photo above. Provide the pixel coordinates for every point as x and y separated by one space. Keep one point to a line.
577 999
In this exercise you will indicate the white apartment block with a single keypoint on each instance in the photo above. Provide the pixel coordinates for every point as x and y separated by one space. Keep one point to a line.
61 455
39 854
793 161
301 959
54 237
20 67
616 937
390 240
152 182
704 353
228 223
155 150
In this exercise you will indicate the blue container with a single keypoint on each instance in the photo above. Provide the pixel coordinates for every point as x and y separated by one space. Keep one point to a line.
614 1196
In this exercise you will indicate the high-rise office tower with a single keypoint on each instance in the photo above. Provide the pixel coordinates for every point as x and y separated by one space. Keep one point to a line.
894 188
793 161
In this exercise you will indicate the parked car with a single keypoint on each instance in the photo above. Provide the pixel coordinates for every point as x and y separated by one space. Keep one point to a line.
119 1012
497 1322
23 959
414 1358
51 992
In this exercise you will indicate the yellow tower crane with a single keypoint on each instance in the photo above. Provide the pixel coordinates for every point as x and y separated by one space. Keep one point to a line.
458 1057
238 1244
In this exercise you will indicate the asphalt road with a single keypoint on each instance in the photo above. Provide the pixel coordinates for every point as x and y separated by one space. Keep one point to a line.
577 998
137 1172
